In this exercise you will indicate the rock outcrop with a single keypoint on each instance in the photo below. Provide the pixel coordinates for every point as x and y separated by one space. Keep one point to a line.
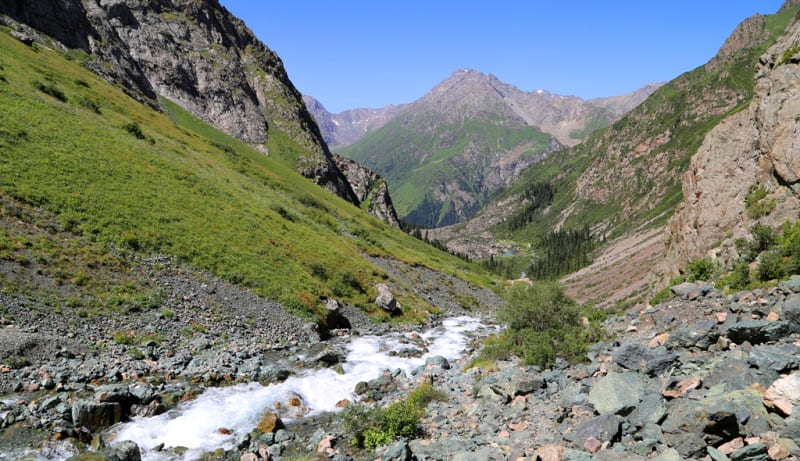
198 55
370 189
756 147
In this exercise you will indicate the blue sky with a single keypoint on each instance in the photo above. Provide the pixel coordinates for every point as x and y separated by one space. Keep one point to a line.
351 54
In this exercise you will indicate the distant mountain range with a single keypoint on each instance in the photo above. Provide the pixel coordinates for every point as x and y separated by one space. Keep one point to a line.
445 154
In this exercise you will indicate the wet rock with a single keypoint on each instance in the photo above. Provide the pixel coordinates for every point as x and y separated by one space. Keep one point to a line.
123 451
616 392
95 416
438 361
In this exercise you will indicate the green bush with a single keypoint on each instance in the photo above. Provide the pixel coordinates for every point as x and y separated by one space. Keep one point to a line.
769 267
372 427
543 324
755 202
700 269
739 278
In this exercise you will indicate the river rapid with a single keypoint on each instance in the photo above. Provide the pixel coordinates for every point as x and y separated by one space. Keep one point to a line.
218 416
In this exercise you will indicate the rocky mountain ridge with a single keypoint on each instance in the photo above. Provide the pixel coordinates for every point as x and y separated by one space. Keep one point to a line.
626 180
198 55
446 153
349 126
754 148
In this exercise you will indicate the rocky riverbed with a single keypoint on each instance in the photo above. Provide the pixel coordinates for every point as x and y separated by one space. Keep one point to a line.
706 375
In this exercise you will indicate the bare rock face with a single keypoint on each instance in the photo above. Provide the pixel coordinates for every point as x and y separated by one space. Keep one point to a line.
756 146
198 55
370 189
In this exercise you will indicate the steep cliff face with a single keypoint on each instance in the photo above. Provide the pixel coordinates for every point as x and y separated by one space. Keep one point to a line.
757 147
195 53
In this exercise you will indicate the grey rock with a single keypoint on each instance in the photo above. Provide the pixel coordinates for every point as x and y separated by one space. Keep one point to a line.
632 355
651 410
700 335
691 425
400 451
791 286
95 416
385 299
736 374
605 428
758 331
493 394
689 290
438 361
717 455
670 454
575 455
752 452
616 392
791 307
780 359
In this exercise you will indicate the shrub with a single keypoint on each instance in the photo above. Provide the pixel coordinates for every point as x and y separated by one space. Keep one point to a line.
769 267
543 324
124 337
51 89
372 427
755 202
739 278
700 269
134 129
540 307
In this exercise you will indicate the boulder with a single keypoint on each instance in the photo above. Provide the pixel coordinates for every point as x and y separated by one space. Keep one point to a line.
769 357
689 290
691 425
438 361
95 416
791 308
123 451
386 300
400 451
752 452
616 392
784 393
791 286
758 331
493 394
700 335
605 428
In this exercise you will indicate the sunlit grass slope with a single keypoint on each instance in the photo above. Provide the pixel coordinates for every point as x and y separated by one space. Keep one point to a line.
118 174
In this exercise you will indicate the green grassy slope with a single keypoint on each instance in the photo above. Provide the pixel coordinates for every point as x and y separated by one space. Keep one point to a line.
118 175
606 183
417 156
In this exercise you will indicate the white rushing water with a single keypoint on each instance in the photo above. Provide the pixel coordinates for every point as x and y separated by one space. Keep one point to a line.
196 424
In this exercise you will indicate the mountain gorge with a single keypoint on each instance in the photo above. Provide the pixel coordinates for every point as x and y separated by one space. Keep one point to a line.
447 153
626 181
